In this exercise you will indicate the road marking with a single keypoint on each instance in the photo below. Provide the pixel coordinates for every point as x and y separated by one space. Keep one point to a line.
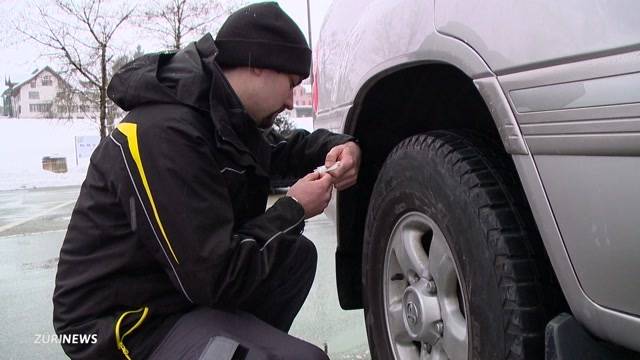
17 223
32 234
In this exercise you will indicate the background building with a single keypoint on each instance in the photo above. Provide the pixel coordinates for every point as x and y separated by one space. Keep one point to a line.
302 99
46 95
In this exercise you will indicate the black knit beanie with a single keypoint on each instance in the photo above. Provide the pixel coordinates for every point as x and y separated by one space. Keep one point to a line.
263 36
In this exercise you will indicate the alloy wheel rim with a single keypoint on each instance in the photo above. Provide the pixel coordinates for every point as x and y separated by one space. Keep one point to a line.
423 299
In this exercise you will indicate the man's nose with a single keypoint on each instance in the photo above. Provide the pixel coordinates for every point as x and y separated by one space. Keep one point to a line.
289 102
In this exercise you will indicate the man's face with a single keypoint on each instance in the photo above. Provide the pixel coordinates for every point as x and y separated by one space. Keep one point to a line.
273 93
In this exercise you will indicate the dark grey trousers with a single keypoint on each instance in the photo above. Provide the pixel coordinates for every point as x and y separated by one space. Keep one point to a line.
258 330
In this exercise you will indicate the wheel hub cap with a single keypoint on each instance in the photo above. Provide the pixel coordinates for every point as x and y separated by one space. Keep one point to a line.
421 313
422 293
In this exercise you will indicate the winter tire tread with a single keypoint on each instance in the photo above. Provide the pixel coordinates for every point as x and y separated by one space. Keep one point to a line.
488 177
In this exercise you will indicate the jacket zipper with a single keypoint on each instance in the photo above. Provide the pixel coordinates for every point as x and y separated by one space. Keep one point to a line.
119 339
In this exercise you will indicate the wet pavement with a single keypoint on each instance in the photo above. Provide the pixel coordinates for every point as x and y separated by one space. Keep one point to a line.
32 227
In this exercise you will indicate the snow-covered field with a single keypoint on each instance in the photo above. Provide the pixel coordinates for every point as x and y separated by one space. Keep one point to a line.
24 142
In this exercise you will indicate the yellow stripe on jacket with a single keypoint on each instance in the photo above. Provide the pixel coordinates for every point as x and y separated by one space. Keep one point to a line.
131 132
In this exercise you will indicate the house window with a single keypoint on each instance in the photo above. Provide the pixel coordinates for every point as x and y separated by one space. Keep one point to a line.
46 80
33 84
34 95
85 108
66 109
40 108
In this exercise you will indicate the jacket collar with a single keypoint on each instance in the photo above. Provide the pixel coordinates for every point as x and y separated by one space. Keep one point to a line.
233 124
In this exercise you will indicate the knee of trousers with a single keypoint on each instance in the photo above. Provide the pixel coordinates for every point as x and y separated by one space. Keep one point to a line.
316 354
302 350
307 250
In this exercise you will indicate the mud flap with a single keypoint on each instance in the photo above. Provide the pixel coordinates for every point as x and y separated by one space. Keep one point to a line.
566 339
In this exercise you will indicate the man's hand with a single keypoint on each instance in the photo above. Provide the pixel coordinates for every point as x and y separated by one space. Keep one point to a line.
346 175
313 192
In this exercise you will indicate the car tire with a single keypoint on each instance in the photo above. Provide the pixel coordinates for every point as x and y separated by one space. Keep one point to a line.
449 232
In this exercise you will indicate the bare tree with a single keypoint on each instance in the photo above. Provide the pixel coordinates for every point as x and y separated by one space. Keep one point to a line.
283 124
179 21
79 34
65 103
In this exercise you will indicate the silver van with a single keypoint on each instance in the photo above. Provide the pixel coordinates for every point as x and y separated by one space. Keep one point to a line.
497 214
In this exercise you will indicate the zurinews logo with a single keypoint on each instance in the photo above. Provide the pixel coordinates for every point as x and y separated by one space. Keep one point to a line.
66 339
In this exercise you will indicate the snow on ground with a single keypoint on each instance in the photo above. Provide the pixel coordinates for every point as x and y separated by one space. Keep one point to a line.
304 123
24 142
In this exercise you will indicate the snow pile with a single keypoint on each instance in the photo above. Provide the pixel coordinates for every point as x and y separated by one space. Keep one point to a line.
303 123
24 142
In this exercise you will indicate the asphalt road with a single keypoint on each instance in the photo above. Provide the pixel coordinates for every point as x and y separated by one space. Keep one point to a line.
32 227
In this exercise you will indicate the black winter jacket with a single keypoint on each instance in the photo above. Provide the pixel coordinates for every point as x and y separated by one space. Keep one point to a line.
172 212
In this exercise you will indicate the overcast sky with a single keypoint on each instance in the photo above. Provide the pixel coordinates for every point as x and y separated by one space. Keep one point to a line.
18 59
